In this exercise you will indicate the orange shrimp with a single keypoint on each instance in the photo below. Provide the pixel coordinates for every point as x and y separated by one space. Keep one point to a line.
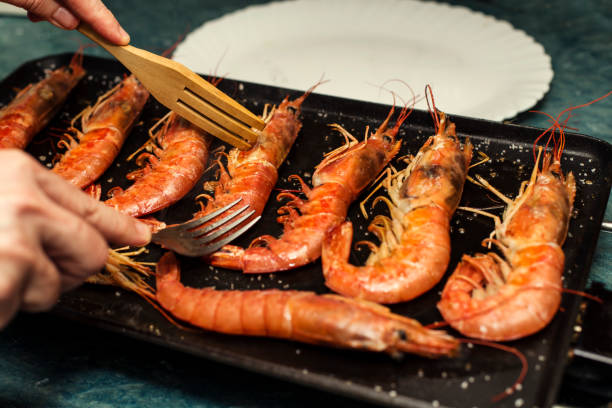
177 163
297 315
495 298
105 127
337 182
251 174
415 243
33 107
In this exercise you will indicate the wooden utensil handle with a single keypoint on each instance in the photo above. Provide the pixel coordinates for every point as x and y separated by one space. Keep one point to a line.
121 52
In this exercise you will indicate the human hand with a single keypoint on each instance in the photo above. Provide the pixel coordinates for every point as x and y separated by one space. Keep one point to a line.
67 14
52 235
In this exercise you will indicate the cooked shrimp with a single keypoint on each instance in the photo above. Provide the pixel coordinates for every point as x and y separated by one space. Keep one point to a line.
505 298
105 127
33 107
178 160
337 182
302 316
250 175
415 242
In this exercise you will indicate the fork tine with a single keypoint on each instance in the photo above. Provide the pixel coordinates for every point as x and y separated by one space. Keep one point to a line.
209 249
226 218
195 117
222 118
224 229
199 221
204 90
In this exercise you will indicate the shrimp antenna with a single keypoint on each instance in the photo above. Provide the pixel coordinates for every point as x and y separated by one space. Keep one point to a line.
433 111
556 124
321 81
415 98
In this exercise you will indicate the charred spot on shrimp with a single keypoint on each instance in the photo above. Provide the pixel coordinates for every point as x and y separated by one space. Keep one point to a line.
369 162
456 178
401 334
433 171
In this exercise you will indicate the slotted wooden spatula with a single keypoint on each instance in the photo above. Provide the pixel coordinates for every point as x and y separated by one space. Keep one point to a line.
186 93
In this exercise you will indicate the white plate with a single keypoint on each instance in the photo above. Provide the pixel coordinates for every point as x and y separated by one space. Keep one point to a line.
10 10
477 66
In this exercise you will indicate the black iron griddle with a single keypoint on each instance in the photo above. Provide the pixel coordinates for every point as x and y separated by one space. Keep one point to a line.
473 378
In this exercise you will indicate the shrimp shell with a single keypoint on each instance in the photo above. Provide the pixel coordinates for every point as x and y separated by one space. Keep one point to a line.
337 182
297 315
493 298
105 127
32 109
174 169
415 248
250 175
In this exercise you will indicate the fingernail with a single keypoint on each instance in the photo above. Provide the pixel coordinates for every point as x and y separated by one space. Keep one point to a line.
64 19
144 231
125 37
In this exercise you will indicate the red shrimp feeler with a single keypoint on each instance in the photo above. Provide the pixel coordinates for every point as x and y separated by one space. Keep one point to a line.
560 143
433 112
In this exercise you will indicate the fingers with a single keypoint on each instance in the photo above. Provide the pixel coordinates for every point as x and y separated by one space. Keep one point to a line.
75 246
11 286
52 235
100 18
44 248
28 279
50 10
115 227
43 288
67 14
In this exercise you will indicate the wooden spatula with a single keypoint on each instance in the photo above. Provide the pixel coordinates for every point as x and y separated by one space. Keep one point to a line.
186 93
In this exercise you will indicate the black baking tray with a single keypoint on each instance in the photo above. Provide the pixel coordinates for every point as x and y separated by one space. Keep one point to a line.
471 379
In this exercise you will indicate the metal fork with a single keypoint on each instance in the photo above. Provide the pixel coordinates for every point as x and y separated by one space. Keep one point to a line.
187 239
186 93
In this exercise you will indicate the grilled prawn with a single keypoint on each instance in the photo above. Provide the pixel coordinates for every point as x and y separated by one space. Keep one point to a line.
302 316
250 175
337 182
415 242
105 127
35 105
504 298
178 160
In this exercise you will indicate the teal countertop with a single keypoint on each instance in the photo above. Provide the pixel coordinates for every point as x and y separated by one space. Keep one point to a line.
49 362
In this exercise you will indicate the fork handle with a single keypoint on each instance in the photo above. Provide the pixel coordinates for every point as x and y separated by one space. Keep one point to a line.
124 53
89 32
